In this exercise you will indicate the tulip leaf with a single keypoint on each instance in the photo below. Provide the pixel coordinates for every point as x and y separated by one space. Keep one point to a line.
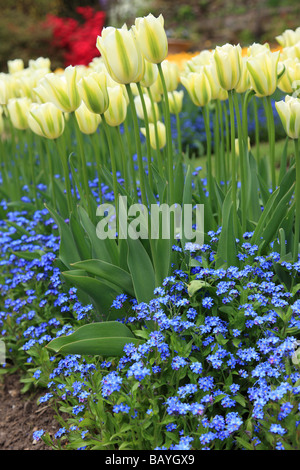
100 338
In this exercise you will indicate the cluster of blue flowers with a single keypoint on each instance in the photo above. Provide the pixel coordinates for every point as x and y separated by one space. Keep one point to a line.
219 366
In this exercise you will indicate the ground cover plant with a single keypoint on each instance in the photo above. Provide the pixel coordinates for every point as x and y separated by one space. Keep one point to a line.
149 341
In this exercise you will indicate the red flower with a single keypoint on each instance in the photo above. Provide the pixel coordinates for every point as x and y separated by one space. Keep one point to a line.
77 40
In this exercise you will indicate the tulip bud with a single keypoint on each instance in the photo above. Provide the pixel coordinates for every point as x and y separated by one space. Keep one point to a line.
196 62
40 63
257 48
161 132
15 65
171 75
289 37
152 38
198 88
121 55
217 92
93 92
228 59
61 90
88 122
151 74
244 83
5 90
117 109
46 120
237 146
289 113
291 78
263 72
152 116
18 109
175 101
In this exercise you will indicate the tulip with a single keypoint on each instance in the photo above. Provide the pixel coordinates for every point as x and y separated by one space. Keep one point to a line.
228 62
117 109
175 101
18 109
203 58
289 37
151 113
15 65
263 71
46 120
93 92
5 89
257 48
171 75
61 90
291 78
161 133
121 55
150 76
244 83
152 38
217 92
198 88
289 113
40 63
88 122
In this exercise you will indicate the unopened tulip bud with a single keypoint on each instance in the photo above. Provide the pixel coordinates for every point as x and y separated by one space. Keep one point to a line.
289 37
171 75
237 146
121 55
198 88
263 72
61 90
152 115
93 92
18 109
289 113
46 120
40 63
290 80
117 109
228 59
161 131
150 75
15 65
152 38
244 83
175 101
87 122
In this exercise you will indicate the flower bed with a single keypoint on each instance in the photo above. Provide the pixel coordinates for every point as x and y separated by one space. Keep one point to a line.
146 335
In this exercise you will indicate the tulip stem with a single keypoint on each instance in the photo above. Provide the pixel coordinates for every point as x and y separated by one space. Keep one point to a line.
208 151
124 160
178 133
50 165
138 145
224 172
158 151
256 130
128 139
242 148
233 162
62 152
271 132
150 177
168 132
113 164
297 199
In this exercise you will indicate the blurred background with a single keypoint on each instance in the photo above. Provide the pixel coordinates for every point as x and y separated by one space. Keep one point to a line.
66 30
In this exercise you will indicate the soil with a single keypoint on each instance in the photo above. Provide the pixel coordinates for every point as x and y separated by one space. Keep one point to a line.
20 416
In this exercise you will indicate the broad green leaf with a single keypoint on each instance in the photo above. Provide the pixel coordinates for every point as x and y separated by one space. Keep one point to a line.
141 269
107 271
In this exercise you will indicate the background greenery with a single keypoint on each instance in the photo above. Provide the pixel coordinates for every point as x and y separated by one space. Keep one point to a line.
206 23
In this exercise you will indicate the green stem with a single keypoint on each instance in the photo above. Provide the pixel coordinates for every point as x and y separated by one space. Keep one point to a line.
124 160
271 132
242 161
82 156
223 159
113 164
50 164
297 199
138 145
97 153
227 133
64 160
179 140
131 163
257 140
158 152
150 177
233 161
32 164
169 135
206 118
